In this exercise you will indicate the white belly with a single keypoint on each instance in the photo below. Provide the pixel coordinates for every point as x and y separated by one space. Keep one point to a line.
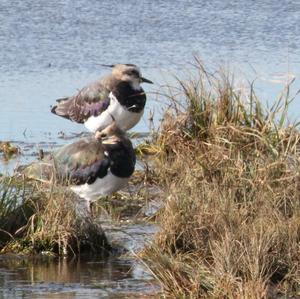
101 187
124 118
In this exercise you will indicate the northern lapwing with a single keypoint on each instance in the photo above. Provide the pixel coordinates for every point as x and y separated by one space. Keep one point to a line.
118 95
92 167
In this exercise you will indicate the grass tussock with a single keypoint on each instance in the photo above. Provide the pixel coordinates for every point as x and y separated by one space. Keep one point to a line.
35 218
230 226
8 150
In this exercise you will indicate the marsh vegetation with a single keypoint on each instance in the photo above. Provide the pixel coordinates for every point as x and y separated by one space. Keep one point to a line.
229 168
39 218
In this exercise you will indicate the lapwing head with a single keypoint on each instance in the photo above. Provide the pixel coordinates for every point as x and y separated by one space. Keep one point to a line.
111 134
129 73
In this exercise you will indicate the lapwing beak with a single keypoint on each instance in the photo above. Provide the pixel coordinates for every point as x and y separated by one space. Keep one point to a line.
98 135
101 136
144 80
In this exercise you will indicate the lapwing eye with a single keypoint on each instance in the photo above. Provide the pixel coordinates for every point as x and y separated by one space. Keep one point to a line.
133 73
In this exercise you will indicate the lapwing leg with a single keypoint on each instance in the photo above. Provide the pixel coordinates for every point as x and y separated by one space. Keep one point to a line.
88 205
91 204
82 207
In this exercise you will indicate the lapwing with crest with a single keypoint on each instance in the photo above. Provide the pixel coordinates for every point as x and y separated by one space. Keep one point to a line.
117 97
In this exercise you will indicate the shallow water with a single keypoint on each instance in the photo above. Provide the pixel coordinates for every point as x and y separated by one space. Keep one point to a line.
118 275
78 278
50 49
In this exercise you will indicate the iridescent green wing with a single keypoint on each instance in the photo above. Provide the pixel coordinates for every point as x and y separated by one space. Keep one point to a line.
81 162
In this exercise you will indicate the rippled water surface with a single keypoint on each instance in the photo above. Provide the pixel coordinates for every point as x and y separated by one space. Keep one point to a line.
50 49
43 278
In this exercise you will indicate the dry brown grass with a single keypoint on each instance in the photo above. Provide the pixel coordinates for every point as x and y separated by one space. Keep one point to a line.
230 227
37 218
8 150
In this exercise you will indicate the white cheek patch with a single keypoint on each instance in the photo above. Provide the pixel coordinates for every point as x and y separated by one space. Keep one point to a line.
136 85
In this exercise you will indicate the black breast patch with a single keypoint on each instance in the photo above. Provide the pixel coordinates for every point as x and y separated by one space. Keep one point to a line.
133 100
122 158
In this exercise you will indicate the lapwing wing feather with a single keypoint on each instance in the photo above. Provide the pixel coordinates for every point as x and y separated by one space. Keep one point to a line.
81 162
91 100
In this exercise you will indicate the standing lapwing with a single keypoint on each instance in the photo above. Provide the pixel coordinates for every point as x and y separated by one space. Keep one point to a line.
118 95
92 167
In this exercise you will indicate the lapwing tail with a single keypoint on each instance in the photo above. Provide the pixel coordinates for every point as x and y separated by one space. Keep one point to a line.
57 109
53 109
62 108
